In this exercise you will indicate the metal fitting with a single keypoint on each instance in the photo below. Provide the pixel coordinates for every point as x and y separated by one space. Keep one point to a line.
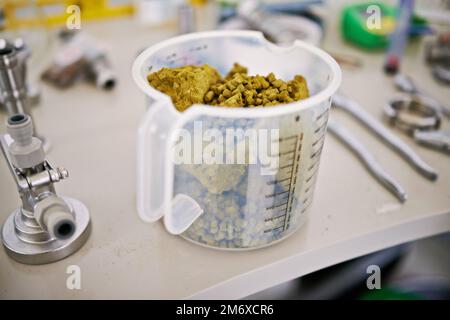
55 217
410 113
26 151
46 227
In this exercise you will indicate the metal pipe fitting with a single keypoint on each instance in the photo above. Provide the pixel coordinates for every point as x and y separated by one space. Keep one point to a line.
26 151
14 93
46 227
12 83
54 216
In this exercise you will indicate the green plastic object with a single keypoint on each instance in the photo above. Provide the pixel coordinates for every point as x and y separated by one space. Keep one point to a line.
355 28
390 294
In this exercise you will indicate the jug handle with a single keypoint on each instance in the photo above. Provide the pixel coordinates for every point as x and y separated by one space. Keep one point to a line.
153 169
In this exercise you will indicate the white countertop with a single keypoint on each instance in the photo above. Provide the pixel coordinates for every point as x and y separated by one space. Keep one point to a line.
351 215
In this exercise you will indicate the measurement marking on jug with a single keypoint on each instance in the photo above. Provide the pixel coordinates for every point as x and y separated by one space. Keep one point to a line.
275 218
288 180
306 207
276 206
171 56
294 172
278 181
291 159
273 195
313 165
316 153
306 203
287 152
322 114
287 138
322 126
273 229
314 171
318 140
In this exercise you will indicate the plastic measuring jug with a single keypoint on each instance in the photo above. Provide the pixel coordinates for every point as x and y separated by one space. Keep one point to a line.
232 204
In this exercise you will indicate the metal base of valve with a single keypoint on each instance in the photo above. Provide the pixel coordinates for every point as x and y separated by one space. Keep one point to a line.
43 250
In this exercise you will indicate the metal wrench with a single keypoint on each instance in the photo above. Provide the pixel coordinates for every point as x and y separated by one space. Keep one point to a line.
367 159
353 108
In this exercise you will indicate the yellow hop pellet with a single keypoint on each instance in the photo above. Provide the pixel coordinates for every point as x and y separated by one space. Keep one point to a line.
203 84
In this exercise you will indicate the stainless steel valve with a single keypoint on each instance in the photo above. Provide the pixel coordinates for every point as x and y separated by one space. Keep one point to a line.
46 227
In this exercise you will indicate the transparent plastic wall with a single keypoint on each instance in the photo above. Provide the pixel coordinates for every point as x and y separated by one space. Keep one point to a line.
243 206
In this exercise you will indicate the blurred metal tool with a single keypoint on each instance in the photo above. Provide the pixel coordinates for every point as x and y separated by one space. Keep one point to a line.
23 55
12 82
399 37
353 108
251 11
277 23
282 29
13 86
439 140
186 18
99 70
437 53
367 159
347 60
441 72
46 227
418 117
406 84
80 56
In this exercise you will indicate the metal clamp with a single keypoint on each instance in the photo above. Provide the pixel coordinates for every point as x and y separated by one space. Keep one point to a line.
410 113
406 84
418 117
